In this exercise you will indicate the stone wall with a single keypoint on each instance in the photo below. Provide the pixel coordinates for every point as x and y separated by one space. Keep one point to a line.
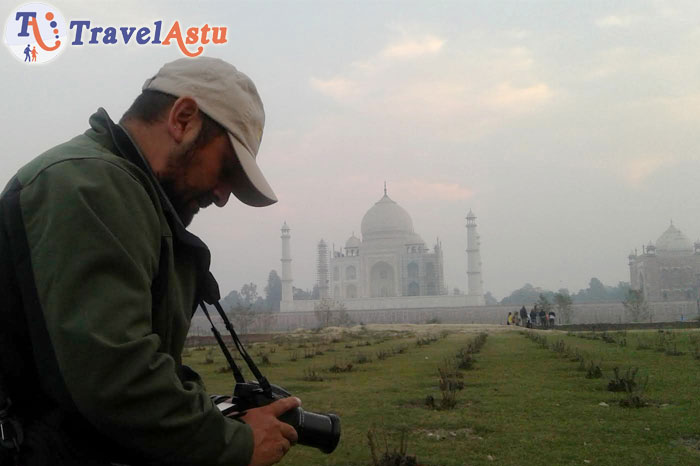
397 302
588 313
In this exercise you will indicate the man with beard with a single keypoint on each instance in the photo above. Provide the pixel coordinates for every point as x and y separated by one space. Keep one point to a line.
100 277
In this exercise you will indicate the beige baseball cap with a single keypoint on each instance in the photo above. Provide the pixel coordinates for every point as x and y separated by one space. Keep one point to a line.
230 98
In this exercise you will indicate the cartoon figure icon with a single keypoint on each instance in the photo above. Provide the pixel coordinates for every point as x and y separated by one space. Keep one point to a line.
26 54
34 52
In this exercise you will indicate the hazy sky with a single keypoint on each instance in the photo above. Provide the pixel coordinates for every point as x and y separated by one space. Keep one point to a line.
571 129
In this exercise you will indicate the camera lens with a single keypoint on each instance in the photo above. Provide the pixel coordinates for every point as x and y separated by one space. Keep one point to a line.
321 431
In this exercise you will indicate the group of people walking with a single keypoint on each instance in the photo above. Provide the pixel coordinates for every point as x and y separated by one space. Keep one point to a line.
537 317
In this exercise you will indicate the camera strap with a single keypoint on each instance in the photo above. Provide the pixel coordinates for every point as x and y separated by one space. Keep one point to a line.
264 384
212 296
234 368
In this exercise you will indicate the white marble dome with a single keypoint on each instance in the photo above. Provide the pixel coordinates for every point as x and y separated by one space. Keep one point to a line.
386 219
673 241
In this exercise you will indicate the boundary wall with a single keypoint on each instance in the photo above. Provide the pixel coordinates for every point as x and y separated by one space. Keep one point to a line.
583 313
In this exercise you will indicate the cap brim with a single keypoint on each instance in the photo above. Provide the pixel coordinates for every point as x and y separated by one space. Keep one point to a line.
258 192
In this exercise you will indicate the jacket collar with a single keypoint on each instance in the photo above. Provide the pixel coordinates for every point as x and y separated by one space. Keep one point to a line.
117 140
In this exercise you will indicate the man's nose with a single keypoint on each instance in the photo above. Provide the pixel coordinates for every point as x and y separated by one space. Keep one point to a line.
221 195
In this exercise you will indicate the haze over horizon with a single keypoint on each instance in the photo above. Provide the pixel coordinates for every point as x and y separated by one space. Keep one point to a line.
571 130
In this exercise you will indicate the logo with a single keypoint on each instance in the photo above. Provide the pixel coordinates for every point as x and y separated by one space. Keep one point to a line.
35 33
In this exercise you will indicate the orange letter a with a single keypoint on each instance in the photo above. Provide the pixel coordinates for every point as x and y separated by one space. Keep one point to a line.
175 33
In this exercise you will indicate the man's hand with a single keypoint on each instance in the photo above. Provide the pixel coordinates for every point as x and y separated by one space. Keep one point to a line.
272 437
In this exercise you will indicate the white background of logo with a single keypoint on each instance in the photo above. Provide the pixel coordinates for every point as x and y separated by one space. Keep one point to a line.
18 44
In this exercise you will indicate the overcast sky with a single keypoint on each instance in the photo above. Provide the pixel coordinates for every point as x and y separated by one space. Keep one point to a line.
571 129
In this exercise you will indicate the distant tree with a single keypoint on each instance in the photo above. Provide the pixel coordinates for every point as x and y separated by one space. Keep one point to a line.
331 313
300 295
315 292
636 307
619 292
544 303
597 292
242 314
241 317
564 305
273 291
231 300
489 299
249 294
528 294
260 305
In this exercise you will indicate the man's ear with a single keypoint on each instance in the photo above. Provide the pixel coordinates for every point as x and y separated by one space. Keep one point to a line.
184 120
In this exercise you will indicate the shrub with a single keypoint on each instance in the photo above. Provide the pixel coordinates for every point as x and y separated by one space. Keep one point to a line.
209 357
426 341
593 371
623 383
634 396
581 365
362 358
576 355
310 375
672 350
382 354
695 344
465 360
335 368
479 342
449 398
449 379
660 342
559 346
389 458
643 343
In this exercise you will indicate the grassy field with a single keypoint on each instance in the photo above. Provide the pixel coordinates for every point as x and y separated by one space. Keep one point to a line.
526 401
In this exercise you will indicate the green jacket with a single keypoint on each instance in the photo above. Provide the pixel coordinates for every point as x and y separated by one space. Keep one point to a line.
108 279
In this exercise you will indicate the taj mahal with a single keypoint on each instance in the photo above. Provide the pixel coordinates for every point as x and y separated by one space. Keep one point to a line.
389 267
668 269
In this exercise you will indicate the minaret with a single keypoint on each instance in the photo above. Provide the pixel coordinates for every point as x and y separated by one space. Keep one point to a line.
474 283
287 294
322 270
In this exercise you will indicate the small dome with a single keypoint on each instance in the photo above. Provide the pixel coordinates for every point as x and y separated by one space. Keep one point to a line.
673 241
353 242
386 219
415 239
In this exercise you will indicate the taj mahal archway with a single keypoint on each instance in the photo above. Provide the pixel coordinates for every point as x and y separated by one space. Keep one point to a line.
381 280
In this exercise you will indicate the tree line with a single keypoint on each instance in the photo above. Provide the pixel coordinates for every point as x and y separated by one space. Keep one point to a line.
595 293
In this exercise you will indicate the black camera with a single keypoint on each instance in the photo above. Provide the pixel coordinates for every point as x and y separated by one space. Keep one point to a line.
316 430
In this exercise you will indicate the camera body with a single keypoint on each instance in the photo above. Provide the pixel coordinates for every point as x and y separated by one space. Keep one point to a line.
316 430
